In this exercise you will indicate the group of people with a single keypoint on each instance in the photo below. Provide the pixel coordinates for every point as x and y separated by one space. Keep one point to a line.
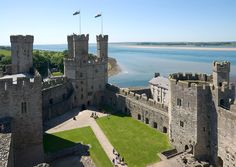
94 115
118 159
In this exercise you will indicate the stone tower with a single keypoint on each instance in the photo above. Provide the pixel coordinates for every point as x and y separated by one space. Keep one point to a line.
21 99
102 46
102 52
78 46
190 110
87 73
221 72
22 48
222 94
221 84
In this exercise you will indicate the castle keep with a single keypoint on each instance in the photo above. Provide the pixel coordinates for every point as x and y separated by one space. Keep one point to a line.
196 111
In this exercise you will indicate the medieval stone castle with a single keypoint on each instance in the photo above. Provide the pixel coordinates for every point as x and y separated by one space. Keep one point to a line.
197 111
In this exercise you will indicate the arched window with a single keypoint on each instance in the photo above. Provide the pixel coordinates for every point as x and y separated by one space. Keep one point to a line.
164 129
139 117
155 125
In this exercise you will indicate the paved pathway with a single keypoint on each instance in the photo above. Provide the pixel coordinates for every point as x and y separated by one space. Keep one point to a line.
83 119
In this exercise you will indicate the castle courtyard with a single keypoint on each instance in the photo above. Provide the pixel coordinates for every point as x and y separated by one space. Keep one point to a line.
135 141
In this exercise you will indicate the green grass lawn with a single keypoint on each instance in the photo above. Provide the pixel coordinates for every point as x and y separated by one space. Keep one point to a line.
57 141
5 52
138 143
57 74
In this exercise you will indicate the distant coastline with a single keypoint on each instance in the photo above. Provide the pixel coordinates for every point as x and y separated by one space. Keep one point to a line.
182 47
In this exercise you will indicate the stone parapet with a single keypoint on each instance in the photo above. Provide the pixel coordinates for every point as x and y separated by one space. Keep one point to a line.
221 66
8 84
22 39
54 82
190 77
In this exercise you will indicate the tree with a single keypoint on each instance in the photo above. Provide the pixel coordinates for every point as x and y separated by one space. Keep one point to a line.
41 63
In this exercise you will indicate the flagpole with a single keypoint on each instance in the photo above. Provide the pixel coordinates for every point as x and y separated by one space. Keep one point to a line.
74 45
101 23
80 23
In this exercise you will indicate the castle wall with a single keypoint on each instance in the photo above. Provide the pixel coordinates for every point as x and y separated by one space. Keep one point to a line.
57 97
139 107
22 100
226 137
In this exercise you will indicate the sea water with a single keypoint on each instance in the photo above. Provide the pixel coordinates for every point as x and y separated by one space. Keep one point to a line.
139 64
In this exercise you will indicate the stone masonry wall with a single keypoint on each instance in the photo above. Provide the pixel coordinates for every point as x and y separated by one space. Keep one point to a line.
57 97
183 123
226 137
23 102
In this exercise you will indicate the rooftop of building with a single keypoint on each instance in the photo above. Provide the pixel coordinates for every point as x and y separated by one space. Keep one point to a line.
160 81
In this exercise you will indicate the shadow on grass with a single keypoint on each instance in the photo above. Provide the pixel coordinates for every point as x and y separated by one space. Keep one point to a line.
59 150
53 144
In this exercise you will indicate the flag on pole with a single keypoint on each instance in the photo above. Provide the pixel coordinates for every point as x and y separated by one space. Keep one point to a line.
98 15
76 13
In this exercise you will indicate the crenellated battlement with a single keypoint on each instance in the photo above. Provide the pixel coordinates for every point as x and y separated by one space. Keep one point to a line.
75 37
221 66
143 99
22 39
225 88
19 83
191 76
54 82
102 38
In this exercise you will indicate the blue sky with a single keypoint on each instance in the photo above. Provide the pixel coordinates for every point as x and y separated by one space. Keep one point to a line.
50 21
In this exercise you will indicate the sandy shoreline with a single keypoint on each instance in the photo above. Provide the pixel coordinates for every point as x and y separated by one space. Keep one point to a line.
181 47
